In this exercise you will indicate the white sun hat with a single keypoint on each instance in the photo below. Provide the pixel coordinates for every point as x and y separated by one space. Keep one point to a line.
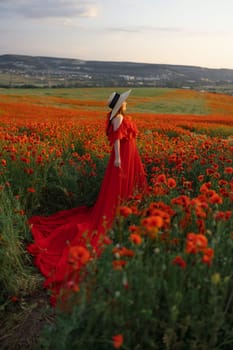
115 101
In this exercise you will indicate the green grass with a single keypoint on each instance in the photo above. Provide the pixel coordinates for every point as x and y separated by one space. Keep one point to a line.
177 105
174 107
220 131
157 100
83 93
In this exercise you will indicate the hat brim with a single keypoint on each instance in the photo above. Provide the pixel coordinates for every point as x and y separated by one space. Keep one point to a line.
117 106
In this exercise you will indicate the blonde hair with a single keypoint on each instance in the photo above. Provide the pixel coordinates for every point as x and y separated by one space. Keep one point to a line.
120 111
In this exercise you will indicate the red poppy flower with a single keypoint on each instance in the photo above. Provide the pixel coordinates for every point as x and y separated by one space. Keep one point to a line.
78 254
119 264
125 211
171 182
118 340
208 256
31 190
228 170
135 238
178 260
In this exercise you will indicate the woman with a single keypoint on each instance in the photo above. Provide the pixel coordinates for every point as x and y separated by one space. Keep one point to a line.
58 235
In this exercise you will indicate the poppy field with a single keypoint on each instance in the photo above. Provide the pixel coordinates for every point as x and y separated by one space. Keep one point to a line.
164 279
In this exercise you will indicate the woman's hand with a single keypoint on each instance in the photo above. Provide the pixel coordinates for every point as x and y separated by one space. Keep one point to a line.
117 163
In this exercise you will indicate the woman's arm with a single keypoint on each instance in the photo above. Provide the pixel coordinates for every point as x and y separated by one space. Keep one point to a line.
117 161
116 124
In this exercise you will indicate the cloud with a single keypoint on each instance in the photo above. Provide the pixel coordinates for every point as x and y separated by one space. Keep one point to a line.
122 30
179 31
48 8
144 29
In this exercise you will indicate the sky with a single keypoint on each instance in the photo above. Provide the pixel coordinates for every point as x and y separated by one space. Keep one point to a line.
184 32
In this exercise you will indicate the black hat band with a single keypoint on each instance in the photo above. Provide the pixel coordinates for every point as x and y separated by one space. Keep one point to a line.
114 100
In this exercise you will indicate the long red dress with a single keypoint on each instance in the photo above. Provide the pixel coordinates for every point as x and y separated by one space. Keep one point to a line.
56 234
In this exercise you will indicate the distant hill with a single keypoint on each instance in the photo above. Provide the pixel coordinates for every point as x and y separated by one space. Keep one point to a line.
22 71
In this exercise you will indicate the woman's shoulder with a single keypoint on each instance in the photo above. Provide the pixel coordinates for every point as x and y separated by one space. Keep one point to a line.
117 121
119 116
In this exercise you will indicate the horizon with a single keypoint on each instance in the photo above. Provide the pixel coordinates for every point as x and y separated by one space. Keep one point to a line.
168 32
108 61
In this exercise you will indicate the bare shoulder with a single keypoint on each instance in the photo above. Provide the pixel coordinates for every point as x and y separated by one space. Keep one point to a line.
117 121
